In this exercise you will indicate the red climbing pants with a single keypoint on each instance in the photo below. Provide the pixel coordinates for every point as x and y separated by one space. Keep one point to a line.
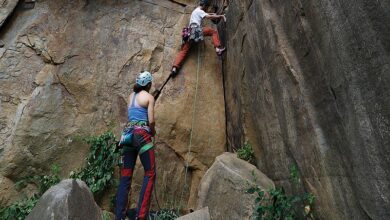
140 138
187 46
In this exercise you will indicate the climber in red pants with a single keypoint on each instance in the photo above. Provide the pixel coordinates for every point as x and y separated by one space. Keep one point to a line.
195 33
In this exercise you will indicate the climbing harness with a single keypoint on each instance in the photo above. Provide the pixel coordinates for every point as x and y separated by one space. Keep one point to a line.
193 33
196 33
185 35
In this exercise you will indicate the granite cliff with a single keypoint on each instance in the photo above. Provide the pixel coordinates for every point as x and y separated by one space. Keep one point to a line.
309 86
304 82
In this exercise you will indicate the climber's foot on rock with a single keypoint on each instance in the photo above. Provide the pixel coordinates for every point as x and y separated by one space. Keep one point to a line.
220 50
174 72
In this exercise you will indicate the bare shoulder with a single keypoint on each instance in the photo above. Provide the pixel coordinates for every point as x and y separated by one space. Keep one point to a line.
147 95
151 97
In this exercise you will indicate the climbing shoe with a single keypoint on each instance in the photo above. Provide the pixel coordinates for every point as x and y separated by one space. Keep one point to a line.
220 50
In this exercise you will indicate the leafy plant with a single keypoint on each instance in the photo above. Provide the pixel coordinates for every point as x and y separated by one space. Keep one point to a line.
294 174
164 214
101 160
106 215
97 174
19 210
246 153
275 204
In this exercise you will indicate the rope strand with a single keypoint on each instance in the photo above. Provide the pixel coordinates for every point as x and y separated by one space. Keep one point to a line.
192 124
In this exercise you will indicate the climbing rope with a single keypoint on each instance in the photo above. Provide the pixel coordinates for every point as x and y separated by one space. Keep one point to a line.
192 124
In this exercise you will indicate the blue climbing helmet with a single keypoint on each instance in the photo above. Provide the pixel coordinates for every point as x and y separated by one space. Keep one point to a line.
144 78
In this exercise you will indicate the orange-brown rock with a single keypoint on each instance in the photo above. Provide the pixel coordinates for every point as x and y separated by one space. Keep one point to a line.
68 68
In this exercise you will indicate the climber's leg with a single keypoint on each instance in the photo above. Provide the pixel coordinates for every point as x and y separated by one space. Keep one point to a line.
217 43
129 159
182 55
148 161
211 32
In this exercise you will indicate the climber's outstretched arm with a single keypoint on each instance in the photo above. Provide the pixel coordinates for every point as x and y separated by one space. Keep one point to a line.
215 16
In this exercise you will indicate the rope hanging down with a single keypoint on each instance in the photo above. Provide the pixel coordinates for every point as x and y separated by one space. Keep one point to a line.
192 124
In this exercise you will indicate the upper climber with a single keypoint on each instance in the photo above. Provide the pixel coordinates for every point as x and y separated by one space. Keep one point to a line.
195 33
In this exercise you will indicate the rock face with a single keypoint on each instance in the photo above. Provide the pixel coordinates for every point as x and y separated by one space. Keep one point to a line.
307 83
68 67
6 9
68 200
223 187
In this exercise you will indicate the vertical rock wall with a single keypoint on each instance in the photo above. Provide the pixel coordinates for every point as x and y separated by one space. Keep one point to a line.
67 69
307 82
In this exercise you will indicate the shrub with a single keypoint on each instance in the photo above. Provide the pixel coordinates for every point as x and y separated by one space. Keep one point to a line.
97 174
276 204
246 153
18 210
164 214
100 163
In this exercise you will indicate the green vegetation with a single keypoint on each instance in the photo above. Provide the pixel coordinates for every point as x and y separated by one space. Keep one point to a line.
43 182
246 153
97 174
294 175
19 210
101 161
275 204
164 214
106 215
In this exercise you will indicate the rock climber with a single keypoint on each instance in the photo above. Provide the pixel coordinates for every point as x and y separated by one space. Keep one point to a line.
136 140
194 33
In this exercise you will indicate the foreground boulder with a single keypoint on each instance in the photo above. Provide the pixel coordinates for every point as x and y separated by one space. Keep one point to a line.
202 214
223 187
70 199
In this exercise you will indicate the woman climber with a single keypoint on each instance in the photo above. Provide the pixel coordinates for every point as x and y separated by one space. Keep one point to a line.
194 33
137 140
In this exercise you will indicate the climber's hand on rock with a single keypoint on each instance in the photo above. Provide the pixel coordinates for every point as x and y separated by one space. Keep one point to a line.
224 18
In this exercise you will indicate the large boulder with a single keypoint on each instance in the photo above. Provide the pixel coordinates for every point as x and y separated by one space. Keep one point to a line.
69 200
223 187
202 214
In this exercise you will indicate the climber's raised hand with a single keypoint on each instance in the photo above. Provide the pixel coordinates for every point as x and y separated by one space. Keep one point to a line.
224 18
